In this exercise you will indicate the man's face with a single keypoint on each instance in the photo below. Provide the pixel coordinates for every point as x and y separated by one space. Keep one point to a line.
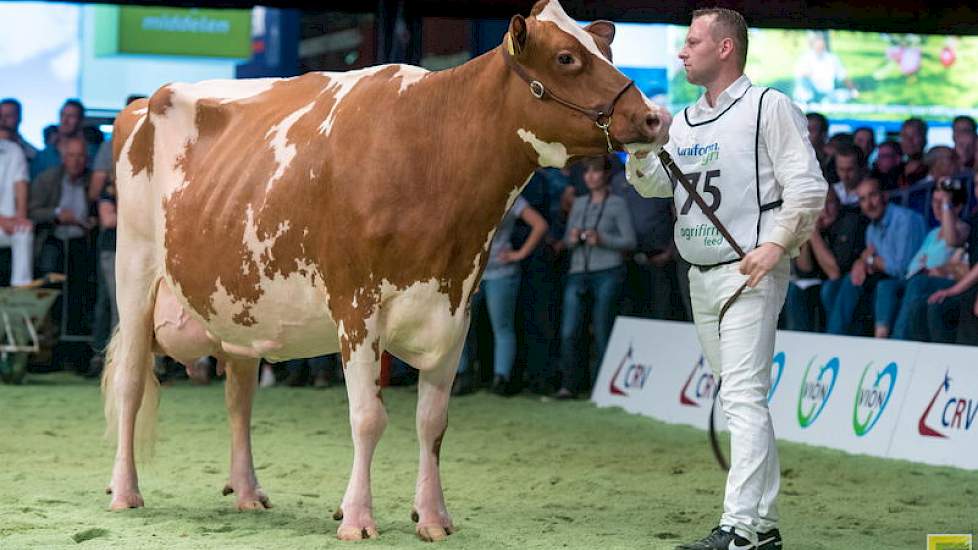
911 139
864 140
815 135
871 200
9 117
964 139
71 118
944 165
848 170
701 53
887 159
73 157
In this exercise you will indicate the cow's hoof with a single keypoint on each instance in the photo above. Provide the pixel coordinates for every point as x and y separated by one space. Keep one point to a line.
252 499
124 501
414 515
356 533
434 533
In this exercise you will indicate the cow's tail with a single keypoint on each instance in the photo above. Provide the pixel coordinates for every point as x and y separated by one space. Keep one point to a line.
145 431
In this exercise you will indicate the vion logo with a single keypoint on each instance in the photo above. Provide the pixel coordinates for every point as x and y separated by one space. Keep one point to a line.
816 390
628 376
699 385
871 399
958 413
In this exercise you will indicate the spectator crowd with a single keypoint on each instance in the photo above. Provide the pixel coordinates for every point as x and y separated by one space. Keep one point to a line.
894 254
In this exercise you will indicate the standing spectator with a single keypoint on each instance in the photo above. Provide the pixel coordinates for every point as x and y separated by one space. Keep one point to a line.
106 307
963 134
888 168
927 271
59 208
11 114
893 235
498 291
652 288
818 133
599 232
16 231
865 139
913 141
70 126
850 165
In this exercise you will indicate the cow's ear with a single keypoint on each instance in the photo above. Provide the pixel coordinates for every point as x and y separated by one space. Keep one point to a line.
604 29
518 36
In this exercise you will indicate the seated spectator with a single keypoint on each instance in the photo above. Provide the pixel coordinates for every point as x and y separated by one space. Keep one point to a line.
913 141
951 312
865 139
850 166
59 208
70 126
11 114
942 162
599 232
888 168
818 132
106 308
498 291
838 141
836 243
893 235
927 271
16 230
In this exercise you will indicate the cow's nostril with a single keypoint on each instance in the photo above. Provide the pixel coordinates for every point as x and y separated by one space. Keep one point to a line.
651 121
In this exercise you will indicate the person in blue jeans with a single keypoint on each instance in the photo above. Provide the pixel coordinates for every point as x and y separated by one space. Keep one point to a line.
928 271
599 232
893 236
498 292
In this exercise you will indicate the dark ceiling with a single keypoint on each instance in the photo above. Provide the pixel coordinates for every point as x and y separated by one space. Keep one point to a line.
893 15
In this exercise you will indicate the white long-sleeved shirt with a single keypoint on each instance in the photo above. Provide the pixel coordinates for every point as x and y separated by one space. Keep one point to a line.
785 153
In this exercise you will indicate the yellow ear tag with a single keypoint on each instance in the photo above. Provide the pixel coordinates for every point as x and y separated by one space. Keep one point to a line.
509 44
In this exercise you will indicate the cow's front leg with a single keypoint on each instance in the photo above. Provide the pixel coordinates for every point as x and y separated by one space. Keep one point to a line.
434 389
239 393
367 420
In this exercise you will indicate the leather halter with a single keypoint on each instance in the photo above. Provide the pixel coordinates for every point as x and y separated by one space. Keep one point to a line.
601 115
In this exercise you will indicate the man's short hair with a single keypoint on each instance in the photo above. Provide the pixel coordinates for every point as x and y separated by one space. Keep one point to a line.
74 103
851 151
918 122
728 23
823 123
967 120
12 101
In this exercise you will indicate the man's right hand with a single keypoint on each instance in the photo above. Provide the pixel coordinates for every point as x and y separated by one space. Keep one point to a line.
575 234
858 273
67 217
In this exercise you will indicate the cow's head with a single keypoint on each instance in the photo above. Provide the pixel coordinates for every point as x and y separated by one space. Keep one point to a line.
566 74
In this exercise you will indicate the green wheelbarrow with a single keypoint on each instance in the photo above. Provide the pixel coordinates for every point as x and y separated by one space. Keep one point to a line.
21 311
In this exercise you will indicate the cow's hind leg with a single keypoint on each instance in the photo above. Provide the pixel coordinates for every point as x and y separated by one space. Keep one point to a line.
239 394
368 418
128 384
434 389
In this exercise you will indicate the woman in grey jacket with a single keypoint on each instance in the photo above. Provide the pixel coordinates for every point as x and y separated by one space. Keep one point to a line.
599 231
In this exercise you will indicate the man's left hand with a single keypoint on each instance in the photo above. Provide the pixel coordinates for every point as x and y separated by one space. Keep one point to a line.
758 262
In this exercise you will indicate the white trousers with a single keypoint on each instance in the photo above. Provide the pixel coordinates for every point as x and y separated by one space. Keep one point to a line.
21 245
740 352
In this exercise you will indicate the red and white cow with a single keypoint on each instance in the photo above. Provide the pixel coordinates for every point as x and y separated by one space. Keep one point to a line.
350 212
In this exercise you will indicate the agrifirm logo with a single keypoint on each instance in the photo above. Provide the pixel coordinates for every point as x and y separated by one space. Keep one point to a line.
952 413
777 370
628 376
872 397
699 385
950 542
815 391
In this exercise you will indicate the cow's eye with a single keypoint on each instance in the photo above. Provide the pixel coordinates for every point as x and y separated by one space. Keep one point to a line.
565 59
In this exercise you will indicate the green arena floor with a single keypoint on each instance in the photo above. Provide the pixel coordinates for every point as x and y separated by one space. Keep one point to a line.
519 473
